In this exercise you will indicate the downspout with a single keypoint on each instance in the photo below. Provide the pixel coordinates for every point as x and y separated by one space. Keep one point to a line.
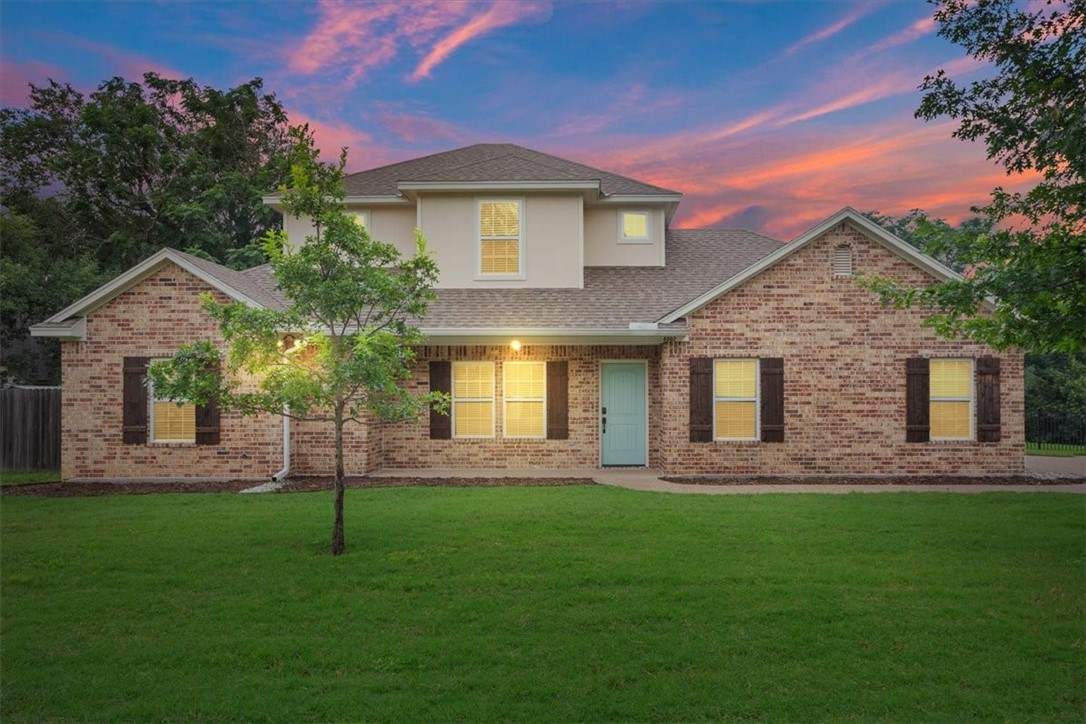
286 447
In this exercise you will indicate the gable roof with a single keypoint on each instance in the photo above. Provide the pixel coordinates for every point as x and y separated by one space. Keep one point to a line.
869 228
244 287
504 162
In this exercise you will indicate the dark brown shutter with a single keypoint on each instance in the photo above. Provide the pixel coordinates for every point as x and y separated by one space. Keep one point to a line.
988 399
207 421
772 399
701 399
558 400
440 381
135 400
917 396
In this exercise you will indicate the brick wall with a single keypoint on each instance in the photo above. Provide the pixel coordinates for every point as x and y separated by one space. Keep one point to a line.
408 444
150 320
844 371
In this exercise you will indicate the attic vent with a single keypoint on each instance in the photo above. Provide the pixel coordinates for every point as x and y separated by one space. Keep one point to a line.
842 261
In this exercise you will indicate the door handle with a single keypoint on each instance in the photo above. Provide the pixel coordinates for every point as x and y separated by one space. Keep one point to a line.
605 426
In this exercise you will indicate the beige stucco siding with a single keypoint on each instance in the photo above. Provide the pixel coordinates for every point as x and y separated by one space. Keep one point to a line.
394 225
552 233
601 245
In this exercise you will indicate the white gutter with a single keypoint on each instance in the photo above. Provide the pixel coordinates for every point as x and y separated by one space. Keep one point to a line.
286 447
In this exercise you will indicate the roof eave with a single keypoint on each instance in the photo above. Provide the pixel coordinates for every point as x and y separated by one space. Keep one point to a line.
72 330
550 335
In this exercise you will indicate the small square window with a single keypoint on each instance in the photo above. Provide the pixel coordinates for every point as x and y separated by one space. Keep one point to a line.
362 218
633 227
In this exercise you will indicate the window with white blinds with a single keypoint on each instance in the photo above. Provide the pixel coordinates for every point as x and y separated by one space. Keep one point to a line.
501 237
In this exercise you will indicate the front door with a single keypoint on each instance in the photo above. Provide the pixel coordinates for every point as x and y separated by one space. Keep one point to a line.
623 414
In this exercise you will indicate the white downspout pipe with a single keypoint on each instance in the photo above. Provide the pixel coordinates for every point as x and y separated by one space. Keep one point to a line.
286 447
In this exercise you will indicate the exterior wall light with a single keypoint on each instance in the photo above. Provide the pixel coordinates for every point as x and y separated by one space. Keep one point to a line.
515 345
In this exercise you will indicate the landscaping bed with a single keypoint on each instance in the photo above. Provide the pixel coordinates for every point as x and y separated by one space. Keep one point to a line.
816 480
293 485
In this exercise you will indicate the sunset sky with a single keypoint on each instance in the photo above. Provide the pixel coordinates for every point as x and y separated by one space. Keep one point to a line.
769 116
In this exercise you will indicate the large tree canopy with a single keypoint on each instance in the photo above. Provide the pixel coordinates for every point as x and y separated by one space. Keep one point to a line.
92 184
1029 109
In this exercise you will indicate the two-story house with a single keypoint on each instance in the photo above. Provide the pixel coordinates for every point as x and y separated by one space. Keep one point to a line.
574 327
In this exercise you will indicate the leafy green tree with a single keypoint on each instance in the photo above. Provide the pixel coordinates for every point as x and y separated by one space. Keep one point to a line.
1056 384
1030 111
103 181
352 302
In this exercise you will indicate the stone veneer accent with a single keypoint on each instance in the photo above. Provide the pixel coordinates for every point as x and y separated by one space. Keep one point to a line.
844 373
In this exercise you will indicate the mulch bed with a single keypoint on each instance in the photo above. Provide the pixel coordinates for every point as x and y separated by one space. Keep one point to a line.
815 480
295 485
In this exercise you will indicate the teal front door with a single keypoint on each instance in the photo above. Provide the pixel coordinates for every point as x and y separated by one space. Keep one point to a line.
623 414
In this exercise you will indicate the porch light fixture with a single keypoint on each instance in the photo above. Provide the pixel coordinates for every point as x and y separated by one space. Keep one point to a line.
515 345
289 343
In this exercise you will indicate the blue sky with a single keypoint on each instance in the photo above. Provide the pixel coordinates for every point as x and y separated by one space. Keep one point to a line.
765 115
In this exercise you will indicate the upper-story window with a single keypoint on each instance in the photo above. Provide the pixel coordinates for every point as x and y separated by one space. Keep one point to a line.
362 218
501 238
633 227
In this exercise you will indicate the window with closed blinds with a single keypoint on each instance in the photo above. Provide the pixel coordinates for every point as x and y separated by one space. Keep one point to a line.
473 399
172 422
525 387
735 399
951 399
500 237
634 226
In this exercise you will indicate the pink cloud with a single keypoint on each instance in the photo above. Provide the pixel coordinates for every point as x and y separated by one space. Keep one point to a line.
632 101
356 38
829 31
419 127
16 77
920 28
331 136
119 61
499 15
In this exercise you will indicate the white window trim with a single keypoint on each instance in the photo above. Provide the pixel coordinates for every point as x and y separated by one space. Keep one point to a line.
507 399
479 275
455 399
972 399
151 400
646 239
757 400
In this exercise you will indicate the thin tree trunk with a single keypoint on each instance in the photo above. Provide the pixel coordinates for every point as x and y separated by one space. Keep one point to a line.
337 526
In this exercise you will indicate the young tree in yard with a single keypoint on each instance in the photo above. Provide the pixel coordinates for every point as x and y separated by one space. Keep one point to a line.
347 328
1031 113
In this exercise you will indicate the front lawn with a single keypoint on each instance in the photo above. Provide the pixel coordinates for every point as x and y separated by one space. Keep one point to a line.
28 477
573 603
1055 450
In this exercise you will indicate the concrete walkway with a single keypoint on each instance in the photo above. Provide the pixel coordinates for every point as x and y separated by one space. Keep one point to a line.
1063 466
649 480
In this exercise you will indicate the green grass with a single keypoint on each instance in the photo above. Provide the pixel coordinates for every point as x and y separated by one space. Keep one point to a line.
576 603
23 477
1063 451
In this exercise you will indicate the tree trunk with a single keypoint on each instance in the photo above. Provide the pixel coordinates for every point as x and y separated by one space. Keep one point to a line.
337 526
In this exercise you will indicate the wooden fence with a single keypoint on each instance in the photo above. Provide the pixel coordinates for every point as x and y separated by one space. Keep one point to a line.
29 428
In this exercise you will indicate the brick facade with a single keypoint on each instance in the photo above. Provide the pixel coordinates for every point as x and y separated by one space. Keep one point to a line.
844 388
408 445
150 320
844 373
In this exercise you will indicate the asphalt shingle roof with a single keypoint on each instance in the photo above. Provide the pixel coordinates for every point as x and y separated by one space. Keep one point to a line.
490 162
613 297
